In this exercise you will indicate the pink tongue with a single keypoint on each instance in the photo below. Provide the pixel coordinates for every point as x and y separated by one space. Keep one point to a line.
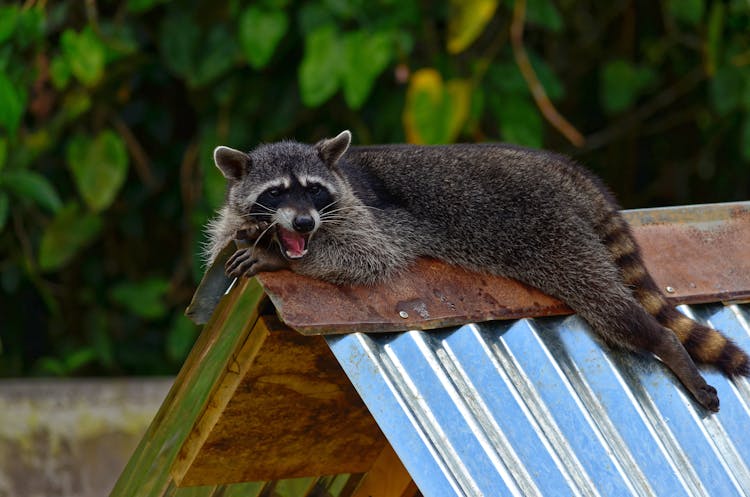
294 243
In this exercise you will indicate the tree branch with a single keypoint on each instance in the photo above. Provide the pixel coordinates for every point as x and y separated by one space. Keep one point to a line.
535 86
663 99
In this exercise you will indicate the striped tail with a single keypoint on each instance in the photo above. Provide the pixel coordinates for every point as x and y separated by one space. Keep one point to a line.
705 345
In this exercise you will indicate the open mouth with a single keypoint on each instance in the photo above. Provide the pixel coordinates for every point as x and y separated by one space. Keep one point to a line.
293 244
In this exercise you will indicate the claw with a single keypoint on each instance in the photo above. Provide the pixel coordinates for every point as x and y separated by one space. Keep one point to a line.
708 398
251 231
240 263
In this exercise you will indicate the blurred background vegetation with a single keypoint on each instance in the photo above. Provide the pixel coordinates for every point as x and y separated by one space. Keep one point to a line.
109 111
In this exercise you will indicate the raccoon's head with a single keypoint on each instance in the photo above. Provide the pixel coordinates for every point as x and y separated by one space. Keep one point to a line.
288 184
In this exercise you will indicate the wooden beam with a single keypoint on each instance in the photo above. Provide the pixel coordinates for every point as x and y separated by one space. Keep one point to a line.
147 472
386 478
285 410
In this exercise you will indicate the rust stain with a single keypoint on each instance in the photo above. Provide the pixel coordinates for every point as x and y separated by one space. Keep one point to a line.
700 252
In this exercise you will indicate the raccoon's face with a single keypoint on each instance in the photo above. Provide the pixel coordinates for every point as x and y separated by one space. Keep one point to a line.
294 206
287 184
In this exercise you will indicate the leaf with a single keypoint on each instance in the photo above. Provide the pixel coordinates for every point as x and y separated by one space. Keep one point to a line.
551 83
99 167
3 151
520 121
180 338
466 21
144 298
688 12
507 78
726 89
4 209
714 38
100 337
85 54
435 112
69 232
744 100
12 104
139 6
78 358
215 56
544 13
344 9
75 103
59 72
366 55
29 26
51 366
198 56
312 16
8 20
321 66
260 31
179 37
32 186
744 139
621 84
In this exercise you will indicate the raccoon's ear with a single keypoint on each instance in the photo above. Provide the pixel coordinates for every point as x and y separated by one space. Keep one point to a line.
331 149
232 163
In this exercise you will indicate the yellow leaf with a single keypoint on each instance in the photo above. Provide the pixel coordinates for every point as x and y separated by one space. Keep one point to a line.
435 112
459 91
466 22
426 82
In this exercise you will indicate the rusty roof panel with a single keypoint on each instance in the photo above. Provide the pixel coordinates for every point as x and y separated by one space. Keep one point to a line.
699 252
431 294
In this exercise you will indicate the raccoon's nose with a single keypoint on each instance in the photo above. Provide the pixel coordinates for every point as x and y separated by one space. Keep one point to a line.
303 224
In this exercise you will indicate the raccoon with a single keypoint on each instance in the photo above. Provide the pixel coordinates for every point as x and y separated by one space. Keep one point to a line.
360 215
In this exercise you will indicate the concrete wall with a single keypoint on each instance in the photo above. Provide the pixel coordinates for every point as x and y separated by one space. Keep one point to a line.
71 438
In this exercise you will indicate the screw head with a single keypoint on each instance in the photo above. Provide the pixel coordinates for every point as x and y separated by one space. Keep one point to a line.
670 289
403 314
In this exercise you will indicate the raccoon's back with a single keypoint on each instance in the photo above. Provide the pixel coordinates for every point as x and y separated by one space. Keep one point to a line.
503 186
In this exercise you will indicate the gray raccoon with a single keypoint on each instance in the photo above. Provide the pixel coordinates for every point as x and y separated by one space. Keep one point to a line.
360 215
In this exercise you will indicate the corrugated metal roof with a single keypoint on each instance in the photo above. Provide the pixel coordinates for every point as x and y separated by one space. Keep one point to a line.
539 407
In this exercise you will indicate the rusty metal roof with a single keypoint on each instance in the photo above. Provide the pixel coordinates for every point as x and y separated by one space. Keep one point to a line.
539 407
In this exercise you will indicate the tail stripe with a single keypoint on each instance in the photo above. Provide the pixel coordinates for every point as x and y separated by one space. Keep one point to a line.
704 344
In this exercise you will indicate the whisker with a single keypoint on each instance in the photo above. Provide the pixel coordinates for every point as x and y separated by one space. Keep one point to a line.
268 209
329 205
354 207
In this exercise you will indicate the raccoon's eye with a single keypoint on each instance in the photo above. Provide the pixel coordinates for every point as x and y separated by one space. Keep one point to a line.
314 189
274 192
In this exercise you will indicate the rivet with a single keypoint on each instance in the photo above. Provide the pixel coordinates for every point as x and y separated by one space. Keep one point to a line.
670 289
403 314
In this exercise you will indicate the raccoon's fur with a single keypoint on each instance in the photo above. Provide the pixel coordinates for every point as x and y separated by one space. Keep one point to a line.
529 215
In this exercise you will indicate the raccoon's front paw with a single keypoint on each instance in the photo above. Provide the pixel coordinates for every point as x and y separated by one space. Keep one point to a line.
247 262
251 231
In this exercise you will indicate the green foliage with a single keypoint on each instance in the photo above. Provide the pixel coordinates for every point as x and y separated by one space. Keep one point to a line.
622 83
68 232
99 167
31 186
109 112
260 31
320 69
83 54
366 55
687 11
145 298
12 104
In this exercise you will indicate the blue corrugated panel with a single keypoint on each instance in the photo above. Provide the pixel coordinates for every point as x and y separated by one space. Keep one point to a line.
539 407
